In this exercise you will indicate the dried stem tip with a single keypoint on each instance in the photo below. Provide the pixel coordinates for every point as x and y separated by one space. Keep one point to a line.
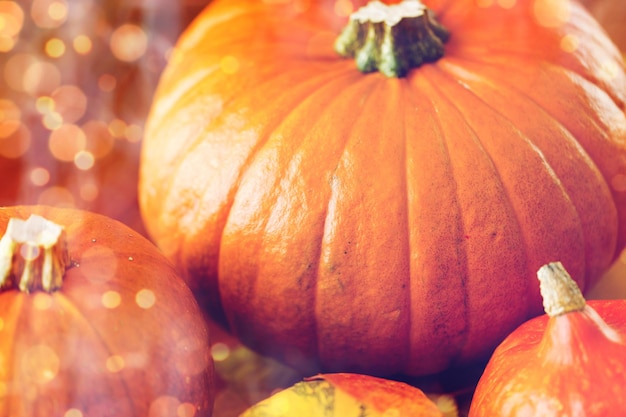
560 292
33 255
392 39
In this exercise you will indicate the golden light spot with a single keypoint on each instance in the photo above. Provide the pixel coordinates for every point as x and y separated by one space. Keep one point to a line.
84 160
117 128
82 44
48 14
11 19
41 78
10 116
164 406
56 196
57 10
551 13
192 356
70 102
507 4
130 258
343 8
52 120
15 69
44 104
55 48
618 183
39 176
89 191
17 142
229 64
145 298
609 70
107 82
111 299
128 42
134 133
100 142
39 364
7 43
220 352
73 412
42 301
115 363
569 43
66 141
186 410
98 264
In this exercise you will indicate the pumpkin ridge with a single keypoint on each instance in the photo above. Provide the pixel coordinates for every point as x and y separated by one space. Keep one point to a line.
247 175
421 93
13 313
185 244
503 87
78 314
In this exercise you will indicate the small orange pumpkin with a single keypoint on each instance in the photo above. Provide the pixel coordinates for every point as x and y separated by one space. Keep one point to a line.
94 319
568 362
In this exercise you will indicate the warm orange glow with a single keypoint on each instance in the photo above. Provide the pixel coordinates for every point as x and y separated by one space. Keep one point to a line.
52 120
11 19
82 44
39 176
569 43
41 78
229 64
100 142
145 298
89 191
39 364
48 14
134 133
128 42
115 363
111 299
507 4
16 143
70 102
10 116
117 128
551 13
55 48
84 160
56 196
66 141
107 82
186 410
164 406
343 8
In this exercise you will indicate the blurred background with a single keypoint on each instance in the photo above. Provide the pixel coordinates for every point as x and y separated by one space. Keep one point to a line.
76 82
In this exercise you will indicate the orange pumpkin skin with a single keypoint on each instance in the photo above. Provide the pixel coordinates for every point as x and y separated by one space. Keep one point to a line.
577 368
359 223
123 336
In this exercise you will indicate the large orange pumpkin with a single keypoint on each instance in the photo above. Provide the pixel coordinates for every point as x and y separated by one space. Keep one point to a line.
359 222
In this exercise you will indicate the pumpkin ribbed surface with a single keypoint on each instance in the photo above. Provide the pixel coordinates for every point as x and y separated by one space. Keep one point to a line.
357 222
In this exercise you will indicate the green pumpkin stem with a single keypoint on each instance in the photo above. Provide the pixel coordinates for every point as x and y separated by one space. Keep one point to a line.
392 39
560 292
33 255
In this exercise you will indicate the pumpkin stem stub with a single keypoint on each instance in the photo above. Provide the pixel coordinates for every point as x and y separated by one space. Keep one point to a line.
392 39
33 255
560 292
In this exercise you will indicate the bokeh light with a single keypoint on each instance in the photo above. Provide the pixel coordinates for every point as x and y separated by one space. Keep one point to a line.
129 42
48 14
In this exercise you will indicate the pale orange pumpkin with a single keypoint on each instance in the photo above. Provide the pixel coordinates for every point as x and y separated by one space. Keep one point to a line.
357 222
94 321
